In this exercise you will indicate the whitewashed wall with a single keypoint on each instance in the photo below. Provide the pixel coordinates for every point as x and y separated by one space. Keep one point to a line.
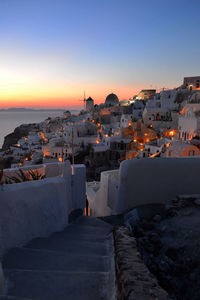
159 180
32 209
13 172
49 170
145 181
103 202
38 208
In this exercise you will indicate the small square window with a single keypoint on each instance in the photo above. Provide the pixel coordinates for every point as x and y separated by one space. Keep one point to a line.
191 153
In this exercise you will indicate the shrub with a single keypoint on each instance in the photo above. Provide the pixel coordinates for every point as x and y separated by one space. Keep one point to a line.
22 176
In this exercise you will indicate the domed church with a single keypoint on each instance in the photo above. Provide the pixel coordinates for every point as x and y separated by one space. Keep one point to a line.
111 100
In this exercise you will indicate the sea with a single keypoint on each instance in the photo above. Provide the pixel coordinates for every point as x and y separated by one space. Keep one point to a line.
9 120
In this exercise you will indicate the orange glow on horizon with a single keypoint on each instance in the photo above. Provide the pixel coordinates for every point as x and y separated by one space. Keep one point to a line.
60 95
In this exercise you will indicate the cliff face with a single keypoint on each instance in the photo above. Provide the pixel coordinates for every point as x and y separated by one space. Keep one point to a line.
19 132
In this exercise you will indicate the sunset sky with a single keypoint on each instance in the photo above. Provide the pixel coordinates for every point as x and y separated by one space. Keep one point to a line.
51 51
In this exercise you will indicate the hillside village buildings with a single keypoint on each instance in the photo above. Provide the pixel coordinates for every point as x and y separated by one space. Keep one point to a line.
101 136
118 153
192 83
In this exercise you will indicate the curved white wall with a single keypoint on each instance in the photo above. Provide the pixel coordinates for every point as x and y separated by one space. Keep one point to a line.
38 208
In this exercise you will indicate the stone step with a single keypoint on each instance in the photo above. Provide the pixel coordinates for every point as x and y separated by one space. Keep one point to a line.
92 221
14 298
79 235
45 285
44 260
73 246
88 229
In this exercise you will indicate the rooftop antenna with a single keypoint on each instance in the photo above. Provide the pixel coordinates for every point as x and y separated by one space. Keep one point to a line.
163 89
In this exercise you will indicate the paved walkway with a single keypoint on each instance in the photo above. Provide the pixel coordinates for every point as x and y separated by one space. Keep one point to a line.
75 264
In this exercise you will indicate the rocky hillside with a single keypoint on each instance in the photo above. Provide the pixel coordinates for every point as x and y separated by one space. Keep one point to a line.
19 132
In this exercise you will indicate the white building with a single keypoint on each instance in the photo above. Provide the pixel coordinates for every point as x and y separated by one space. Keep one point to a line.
159 109
189 122
138 108
126 121
192 83
89 105
181 149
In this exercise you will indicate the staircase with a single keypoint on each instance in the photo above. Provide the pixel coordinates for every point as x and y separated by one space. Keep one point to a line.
75 264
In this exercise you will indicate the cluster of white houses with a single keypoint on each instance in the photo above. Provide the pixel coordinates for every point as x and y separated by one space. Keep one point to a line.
150 124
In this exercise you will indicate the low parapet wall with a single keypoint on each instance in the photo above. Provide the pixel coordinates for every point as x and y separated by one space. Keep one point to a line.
31 209
49 170
158 180
8 174
145 181
38 208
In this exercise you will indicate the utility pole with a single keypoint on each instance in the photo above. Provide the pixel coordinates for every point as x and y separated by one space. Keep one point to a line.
62 141
72 146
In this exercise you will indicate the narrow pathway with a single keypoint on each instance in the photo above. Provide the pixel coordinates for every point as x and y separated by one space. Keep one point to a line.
75 264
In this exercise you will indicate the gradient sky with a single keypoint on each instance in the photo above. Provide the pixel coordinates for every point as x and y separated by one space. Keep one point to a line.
53 50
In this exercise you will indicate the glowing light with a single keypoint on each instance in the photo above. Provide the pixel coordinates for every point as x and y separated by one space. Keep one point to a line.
170 132
42 135
60 159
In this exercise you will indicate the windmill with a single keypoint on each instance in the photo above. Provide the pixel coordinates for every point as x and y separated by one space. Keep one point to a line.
83 100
